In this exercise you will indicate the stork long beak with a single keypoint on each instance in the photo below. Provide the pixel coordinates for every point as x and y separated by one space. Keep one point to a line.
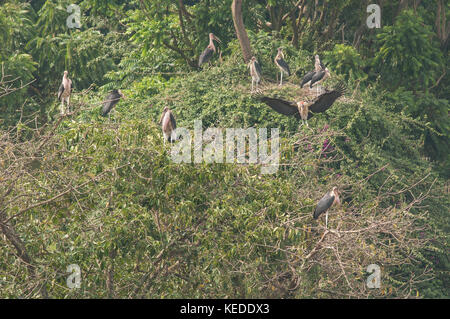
162 116
122 95
216 38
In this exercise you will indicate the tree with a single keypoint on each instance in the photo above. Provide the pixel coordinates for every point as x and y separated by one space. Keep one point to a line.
408 56
241 33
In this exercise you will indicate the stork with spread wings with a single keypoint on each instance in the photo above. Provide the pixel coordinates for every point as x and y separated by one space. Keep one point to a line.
305 110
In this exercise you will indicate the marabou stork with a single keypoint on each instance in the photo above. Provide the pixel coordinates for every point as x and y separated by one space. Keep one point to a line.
330 198
318 66
210 49
318 77
64 91
168 125
282 65
307 78
304 110
255 72
111 100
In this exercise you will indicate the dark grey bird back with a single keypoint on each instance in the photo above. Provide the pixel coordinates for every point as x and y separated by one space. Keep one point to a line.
307 78
317 77
323 205
258 68
284 65
111 100
205 56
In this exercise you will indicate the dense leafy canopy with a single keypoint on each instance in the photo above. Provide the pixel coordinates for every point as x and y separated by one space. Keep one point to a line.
105 194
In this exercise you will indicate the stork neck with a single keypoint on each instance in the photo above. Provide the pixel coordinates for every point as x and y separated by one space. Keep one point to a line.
211 44
336 198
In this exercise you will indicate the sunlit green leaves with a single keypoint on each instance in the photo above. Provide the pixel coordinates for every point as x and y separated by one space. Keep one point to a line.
408 54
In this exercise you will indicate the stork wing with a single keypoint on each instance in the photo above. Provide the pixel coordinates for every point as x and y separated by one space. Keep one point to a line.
284 66
258 68
205 56
111 100
172 121
307 78
325 100
60 91
317 77
281 106
323 205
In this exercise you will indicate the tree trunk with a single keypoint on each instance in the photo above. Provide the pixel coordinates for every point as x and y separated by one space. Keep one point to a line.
404 4
241 33
441 24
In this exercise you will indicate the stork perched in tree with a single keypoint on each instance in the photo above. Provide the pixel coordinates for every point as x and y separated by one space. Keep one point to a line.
168 125
318 66
330 198
318 77
282 65
210 49
255 72
302 109
307 78
64 91
111 100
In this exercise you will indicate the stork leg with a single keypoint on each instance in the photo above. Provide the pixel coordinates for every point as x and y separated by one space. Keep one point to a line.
173 136
62 106
281 81
252 85
326 219
68 104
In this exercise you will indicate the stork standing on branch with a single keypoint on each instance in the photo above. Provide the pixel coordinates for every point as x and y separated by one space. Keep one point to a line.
210 49
318 67
307 78
168 125
304 110
255 72
331 198
318 78
64 91
282 65
111 100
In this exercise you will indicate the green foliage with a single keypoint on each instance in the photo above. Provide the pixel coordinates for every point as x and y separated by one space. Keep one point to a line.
56 49
345 60
408 54
431 112
105 194
165 28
